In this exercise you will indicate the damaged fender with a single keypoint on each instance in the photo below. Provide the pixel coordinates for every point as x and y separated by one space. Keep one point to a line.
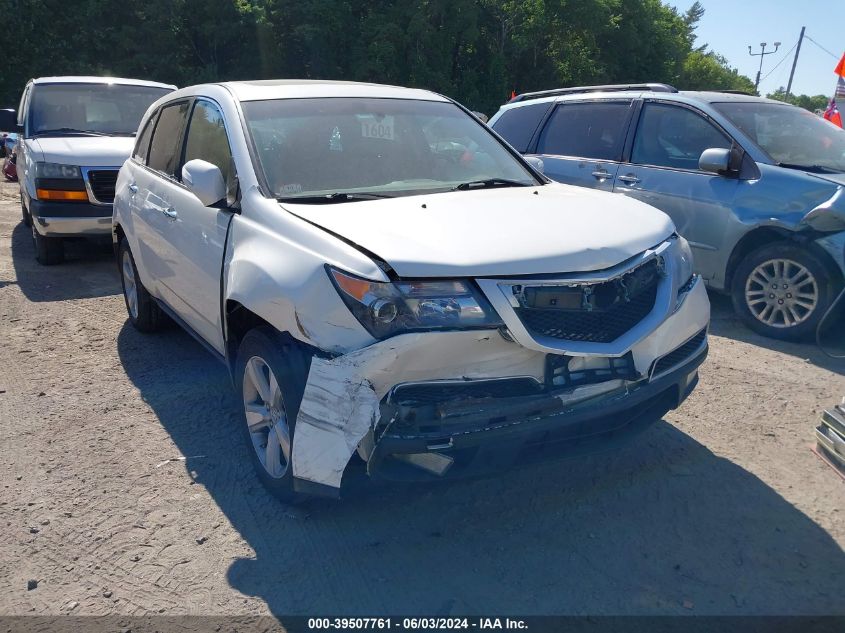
829 216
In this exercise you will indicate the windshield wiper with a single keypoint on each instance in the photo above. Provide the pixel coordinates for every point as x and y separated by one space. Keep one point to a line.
69 130
819 169
489 182
338 196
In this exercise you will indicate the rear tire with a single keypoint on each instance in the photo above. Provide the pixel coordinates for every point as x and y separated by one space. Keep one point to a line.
782 291
48 250
144 313
271 372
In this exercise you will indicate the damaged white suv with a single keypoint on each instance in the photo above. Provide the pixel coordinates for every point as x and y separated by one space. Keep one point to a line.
383 274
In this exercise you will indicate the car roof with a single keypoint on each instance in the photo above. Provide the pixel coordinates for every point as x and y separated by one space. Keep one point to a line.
306 88
82 79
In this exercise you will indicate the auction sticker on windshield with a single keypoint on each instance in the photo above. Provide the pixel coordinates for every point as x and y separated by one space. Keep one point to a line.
377 127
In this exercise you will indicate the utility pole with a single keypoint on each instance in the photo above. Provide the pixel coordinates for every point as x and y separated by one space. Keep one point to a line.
795 61
761 55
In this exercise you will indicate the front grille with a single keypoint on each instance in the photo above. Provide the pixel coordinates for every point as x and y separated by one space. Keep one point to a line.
102 183
679 354
597 313
435 393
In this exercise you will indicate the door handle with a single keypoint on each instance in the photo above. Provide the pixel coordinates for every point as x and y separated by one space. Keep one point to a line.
629 179
170 212
133 188
601 174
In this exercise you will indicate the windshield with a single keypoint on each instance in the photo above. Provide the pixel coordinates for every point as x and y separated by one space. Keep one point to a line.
112 109
792 136
382 147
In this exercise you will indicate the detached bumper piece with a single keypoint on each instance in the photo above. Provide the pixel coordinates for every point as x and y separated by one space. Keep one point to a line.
451 436
830 435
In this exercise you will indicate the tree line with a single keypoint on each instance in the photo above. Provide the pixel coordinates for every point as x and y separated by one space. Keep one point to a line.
476 51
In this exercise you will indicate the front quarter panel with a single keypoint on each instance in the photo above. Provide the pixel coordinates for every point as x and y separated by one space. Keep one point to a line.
275 267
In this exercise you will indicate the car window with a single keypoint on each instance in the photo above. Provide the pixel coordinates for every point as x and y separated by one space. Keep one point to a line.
165 149
587 130
391 147
671 136
791 136
518 125
105 108
207 138
142 146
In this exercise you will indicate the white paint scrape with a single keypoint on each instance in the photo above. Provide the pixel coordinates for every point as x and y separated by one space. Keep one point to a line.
338 407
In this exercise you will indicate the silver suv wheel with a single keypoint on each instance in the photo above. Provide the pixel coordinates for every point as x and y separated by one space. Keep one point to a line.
266 418
130 288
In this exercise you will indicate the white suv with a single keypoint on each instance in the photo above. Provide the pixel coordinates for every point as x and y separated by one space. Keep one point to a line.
383 274
75 134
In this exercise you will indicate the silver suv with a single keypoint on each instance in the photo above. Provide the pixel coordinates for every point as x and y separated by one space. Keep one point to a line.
755 185
383 275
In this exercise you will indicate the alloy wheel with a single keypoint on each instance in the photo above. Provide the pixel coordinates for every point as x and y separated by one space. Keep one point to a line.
781 293
266 418
130 286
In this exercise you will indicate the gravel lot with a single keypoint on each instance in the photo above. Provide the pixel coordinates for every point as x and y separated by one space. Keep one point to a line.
126 490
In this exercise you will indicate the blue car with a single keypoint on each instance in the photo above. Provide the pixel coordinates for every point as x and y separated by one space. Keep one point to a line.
757 186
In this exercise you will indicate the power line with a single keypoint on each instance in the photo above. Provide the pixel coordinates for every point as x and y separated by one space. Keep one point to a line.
822 47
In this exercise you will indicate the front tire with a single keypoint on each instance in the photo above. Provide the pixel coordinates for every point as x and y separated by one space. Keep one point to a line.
48 250
782 291
144 313
271 372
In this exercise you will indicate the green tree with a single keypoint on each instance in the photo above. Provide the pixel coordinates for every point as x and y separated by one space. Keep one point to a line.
709 71
818 102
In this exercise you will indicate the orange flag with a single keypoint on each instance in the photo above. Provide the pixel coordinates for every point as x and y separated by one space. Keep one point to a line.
513 92
840 67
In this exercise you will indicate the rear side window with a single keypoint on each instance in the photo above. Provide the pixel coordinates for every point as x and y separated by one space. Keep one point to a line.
207 139
142 146
518 125
166 146
670 136
586 130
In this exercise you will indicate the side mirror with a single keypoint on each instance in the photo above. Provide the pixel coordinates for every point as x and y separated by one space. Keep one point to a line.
536 162
205 181
715 160
8 121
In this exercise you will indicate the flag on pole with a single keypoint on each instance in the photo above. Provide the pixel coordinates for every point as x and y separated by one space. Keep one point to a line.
840 89
513 94
832 113
840 67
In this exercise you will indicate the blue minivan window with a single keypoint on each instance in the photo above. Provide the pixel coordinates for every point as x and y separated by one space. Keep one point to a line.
792 136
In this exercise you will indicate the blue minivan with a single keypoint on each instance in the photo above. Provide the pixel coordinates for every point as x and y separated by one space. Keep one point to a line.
757 186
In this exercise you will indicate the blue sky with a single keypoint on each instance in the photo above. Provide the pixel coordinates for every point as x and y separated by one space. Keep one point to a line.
729 27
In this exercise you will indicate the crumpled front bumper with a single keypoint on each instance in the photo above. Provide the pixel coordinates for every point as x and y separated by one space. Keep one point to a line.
346 404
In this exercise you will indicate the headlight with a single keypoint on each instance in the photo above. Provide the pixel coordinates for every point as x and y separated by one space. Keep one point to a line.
56 170
385 309
683 263
59 183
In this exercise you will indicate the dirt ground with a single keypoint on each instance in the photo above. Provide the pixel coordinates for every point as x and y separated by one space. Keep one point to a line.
126 489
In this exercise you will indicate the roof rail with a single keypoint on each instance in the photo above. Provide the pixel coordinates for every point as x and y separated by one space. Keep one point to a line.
736 92
608 88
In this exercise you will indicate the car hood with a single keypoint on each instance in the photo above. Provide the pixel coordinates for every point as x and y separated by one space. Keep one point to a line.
85 151
838 179
496 232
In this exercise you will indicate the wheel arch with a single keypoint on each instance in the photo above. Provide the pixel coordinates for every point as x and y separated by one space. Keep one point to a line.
766 235
238 320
